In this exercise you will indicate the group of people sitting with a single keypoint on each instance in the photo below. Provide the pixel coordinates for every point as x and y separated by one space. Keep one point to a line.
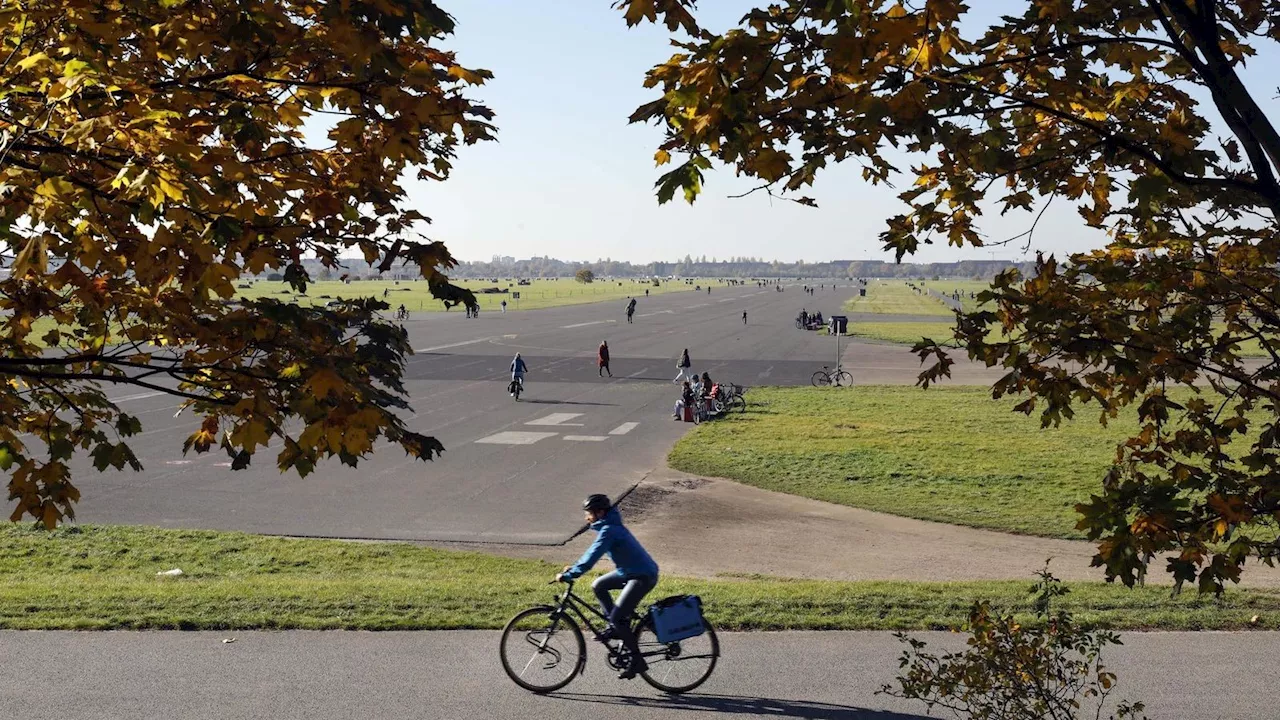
700 390
810 322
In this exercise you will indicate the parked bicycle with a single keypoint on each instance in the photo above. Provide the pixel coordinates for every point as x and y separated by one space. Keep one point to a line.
543 649
733 397
826 376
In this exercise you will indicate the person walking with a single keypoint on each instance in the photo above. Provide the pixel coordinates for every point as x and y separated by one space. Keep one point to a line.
504 307
602 359
744 317
683 366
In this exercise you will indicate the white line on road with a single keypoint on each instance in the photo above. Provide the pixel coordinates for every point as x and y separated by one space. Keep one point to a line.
624 428
767 372
138 396
660 312
586 438
453 345
593 322
555 419
512 437
726 300
697 306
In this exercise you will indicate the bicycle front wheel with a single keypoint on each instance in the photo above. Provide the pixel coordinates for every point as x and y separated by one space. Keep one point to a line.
738 403
843 379
542 650
820 379
677 667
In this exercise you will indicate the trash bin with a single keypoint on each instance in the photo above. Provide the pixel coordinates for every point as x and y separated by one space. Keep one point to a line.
862 292
839 324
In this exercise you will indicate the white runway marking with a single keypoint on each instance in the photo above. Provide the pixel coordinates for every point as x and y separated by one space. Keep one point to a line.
453 345
697 306
624 428
586 438
726 300
593 322
515 438
555 419
660 312
138 396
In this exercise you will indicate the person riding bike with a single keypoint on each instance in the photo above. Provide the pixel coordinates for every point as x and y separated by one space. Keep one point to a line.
518 369
635 574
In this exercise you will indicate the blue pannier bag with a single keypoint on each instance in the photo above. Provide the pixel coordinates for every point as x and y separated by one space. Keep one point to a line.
677 618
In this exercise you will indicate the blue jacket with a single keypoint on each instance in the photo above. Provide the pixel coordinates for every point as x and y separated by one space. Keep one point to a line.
623 549
518 366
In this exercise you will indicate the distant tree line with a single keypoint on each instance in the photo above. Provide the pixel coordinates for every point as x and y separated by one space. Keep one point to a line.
546 267
736 267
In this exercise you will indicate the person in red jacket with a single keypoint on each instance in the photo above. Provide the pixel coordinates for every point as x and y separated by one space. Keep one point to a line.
602 359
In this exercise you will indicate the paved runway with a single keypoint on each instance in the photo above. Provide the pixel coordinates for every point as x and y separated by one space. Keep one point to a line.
456 676
514 472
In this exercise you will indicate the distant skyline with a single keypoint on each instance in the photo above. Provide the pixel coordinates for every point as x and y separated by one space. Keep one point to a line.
569 178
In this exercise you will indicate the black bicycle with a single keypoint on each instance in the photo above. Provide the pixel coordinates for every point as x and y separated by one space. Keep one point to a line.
543 648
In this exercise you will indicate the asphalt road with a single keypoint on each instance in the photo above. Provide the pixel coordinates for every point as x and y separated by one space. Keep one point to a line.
456 676
514 472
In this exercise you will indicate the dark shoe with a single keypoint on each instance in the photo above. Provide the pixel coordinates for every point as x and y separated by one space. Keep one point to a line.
636 667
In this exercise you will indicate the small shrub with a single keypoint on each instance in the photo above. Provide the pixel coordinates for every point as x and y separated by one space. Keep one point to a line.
1012 672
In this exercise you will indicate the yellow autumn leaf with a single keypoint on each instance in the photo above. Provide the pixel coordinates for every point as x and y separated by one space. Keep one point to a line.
471 77
324 382
662 157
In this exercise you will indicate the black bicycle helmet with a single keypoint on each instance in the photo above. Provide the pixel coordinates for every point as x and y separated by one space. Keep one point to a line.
596 501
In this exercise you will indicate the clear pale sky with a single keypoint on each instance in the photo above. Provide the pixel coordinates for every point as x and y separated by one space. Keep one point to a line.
569 178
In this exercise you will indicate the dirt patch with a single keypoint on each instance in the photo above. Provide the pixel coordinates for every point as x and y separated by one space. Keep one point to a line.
699 527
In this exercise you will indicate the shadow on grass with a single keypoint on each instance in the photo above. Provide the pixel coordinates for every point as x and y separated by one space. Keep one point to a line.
743 705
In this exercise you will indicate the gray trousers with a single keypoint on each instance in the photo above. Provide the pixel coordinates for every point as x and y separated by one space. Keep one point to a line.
634 588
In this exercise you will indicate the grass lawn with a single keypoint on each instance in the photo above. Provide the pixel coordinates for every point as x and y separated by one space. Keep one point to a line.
105 578
946 287
893 297
910 333
949 454
417 298
905 333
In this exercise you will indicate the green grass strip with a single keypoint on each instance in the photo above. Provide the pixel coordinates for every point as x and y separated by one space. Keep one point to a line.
105 578
949 454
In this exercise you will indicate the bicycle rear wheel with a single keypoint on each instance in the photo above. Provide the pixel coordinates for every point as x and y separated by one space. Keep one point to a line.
820 379
542 650
738 403
677 667
843 379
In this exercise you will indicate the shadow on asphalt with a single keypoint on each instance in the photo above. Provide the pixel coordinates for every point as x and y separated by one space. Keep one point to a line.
741 705
566 402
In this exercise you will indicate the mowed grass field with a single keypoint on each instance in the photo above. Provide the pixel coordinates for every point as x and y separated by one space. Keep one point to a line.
904 333
949 454
894 297
416 297
946 287
100 578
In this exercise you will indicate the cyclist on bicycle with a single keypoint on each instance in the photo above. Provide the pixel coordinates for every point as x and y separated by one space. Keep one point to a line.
518 369
635 574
